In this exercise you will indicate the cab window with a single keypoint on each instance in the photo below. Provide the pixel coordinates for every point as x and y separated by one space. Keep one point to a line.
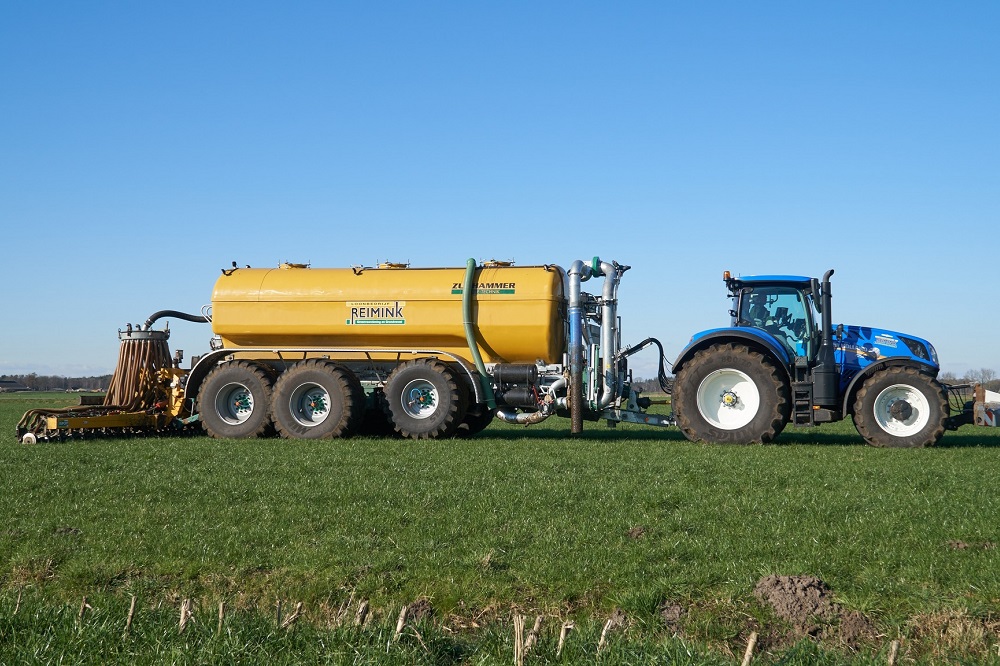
782 312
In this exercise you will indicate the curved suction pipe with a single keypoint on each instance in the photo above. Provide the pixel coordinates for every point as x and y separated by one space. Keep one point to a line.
468 292
524 418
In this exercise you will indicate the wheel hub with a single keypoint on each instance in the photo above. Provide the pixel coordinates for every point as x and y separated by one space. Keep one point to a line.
901 410
730 399
420 399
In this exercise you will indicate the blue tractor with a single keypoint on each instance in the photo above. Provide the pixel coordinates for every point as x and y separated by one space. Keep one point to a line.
782 360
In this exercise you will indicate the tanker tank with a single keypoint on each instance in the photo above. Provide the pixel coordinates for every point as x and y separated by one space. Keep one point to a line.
520 312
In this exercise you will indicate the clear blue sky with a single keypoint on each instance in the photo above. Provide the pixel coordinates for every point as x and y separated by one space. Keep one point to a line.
143 146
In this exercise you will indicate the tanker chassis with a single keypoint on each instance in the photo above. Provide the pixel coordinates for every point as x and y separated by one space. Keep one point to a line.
441 352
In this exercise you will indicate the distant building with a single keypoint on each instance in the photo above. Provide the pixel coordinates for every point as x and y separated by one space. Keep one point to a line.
10 386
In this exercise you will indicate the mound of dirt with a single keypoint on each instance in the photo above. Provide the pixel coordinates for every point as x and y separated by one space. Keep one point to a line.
801 600
420 609
857 630
670 616
637 532
806 603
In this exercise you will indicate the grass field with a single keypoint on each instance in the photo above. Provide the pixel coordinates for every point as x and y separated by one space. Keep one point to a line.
667 536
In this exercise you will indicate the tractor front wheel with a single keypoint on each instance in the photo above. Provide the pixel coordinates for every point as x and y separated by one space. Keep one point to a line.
901 407
730 394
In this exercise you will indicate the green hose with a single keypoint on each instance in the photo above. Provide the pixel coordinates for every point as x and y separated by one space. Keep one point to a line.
469 288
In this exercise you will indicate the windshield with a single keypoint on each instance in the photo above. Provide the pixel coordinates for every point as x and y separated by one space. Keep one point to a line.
781 311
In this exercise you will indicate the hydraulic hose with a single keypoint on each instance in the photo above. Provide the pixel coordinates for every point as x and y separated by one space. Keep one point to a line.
197 319
468 289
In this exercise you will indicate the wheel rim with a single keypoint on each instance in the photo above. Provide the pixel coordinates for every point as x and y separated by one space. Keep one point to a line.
728 399
901 410
234 403
309 404
419 399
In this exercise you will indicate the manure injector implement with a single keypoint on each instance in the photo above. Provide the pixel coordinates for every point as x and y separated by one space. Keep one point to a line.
441 352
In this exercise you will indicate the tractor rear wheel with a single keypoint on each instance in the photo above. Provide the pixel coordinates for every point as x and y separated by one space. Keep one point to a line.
235 400
317 399
425 399
901 407
730 394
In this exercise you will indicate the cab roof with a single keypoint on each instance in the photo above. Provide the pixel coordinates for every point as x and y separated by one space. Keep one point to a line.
783 279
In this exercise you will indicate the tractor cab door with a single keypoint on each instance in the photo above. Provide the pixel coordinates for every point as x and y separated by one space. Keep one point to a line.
784 313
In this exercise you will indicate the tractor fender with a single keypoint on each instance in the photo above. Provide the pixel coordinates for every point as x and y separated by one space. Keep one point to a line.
859 379
749 336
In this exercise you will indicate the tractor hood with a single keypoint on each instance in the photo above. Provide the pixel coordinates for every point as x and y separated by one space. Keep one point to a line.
860 346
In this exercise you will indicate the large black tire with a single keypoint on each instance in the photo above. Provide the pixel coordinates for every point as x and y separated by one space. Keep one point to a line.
377 421
317 399
234 401
901 407
425 399
477 419
731 394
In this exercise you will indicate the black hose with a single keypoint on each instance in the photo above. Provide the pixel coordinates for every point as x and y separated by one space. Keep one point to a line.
661 375
197 319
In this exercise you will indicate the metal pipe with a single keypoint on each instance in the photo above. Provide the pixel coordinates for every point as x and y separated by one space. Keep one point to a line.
609 325
578 273
523 418
556 386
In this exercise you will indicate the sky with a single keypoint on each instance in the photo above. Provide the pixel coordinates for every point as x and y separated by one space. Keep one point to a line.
145 146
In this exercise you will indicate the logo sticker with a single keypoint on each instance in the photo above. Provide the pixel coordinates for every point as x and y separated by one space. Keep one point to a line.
885 340
487 288
364 313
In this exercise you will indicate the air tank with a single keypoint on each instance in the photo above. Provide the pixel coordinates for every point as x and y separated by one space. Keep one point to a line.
520 312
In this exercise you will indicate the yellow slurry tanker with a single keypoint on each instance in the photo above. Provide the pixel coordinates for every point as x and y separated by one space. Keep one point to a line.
427 352
438 352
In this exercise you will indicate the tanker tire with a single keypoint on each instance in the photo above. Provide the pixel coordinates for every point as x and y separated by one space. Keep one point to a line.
477 419
919 423
425 400
731 395
377 421
317 399
234 401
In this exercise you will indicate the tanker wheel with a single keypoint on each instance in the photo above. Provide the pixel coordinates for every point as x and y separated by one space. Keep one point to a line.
477 419
377 419
901 407
317 399
425 399
234 401
732 395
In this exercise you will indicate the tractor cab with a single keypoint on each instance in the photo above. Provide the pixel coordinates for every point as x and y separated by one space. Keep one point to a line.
783 306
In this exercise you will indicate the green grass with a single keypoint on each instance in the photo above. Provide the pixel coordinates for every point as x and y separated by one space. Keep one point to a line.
516 519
